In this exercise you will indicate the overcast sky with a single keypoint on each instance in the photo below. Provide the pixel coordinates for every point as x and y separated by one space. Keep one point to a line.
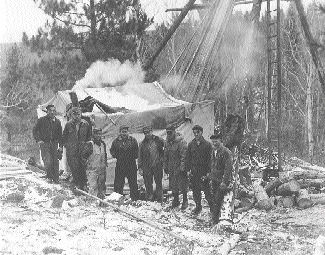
17 16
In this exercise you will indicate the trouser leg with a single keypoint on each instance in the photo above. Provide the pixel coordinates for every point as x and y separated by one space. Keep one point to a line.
208 194
82 174
196 185
92 177
54 162
102 184
175 202
148 180
46 157
74 164
158 175
132 179
218 196
119 181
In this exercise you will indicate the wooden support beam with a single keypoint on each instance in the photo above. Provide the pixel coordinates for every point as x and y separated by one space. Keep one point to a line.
169 34
204 6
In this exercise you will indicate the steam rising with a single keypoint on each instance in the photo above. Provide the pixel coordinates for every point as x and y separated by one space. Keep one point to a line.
110 74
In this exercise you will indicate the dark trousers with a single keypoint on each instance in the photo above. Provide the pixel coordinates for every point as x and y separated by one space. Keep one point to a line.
50 159
78 169
218 196
119 181
197 186
149 174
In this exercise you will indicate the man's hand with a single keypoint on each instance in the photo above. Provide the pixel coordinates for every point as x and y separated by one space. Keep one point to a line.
60 150
223 186
166 171
140 171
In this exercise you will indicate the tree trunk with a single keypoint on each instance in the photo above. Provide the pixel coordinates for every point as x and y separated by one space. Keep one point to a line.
309 115
318 199
304 173
92 22
307 183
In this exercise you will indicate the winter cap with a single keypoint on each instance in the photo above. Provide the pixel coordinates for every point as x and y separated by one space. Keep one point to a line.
97 130
147 129
122 127
170 128
49 106
216 136
75 110
197 127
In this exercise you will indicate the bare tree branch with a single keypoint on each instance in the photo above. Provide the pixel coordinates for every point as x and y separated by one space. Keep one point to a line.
71 23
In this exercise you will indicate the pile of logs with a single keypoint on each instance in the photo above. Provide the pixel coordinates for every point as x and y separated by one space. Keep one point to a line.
302 186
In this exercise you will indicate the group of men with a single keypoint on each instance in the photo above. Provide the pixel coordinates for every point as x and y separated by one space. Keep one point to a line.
207 166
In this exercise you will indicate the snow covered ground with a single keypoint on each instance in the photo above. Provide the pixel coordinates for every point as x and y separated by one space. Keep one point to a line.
41 218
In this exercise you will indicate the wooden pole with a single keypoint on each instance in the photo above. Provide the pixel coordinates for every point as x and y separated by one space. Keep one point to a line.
169 34
133 216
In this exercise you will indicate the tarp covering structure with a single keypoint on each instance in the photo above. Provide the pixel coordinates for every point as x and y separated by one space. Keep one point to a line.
147 104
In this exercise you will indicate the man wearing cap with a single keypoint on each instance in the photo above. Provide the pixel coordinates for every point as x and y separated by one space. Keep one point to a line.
48 134
174 165
75 134
221 174
198 163
96 155
150 163
125 149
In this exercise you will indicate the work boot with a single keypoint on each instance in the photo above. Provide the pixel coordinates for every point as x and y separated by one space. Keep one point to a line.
185 202
197 209
175 202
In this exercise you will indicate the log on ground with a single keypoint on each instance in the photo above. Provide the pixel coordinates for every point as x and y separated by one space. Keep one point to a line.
303 199
288 189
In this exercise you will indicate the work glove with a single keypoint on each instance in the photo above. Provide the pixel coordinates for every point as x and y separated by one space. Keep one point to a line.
140 171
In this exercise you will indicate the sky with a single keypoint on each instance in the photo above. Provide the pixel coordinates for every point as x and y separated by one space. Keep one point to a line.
17 16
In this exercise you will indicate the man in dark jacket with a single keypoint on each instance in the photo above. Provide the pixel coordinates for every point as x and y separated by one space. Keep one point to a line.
174 165
48 134
221 174
75 134
125 149
198 163
150 163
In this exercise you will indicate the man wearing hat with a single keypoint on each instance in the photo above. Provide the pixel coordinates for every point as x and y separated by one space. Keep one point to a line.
48 134
75 134
150 163
96 155
198 163
125 149
220 175
174 165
